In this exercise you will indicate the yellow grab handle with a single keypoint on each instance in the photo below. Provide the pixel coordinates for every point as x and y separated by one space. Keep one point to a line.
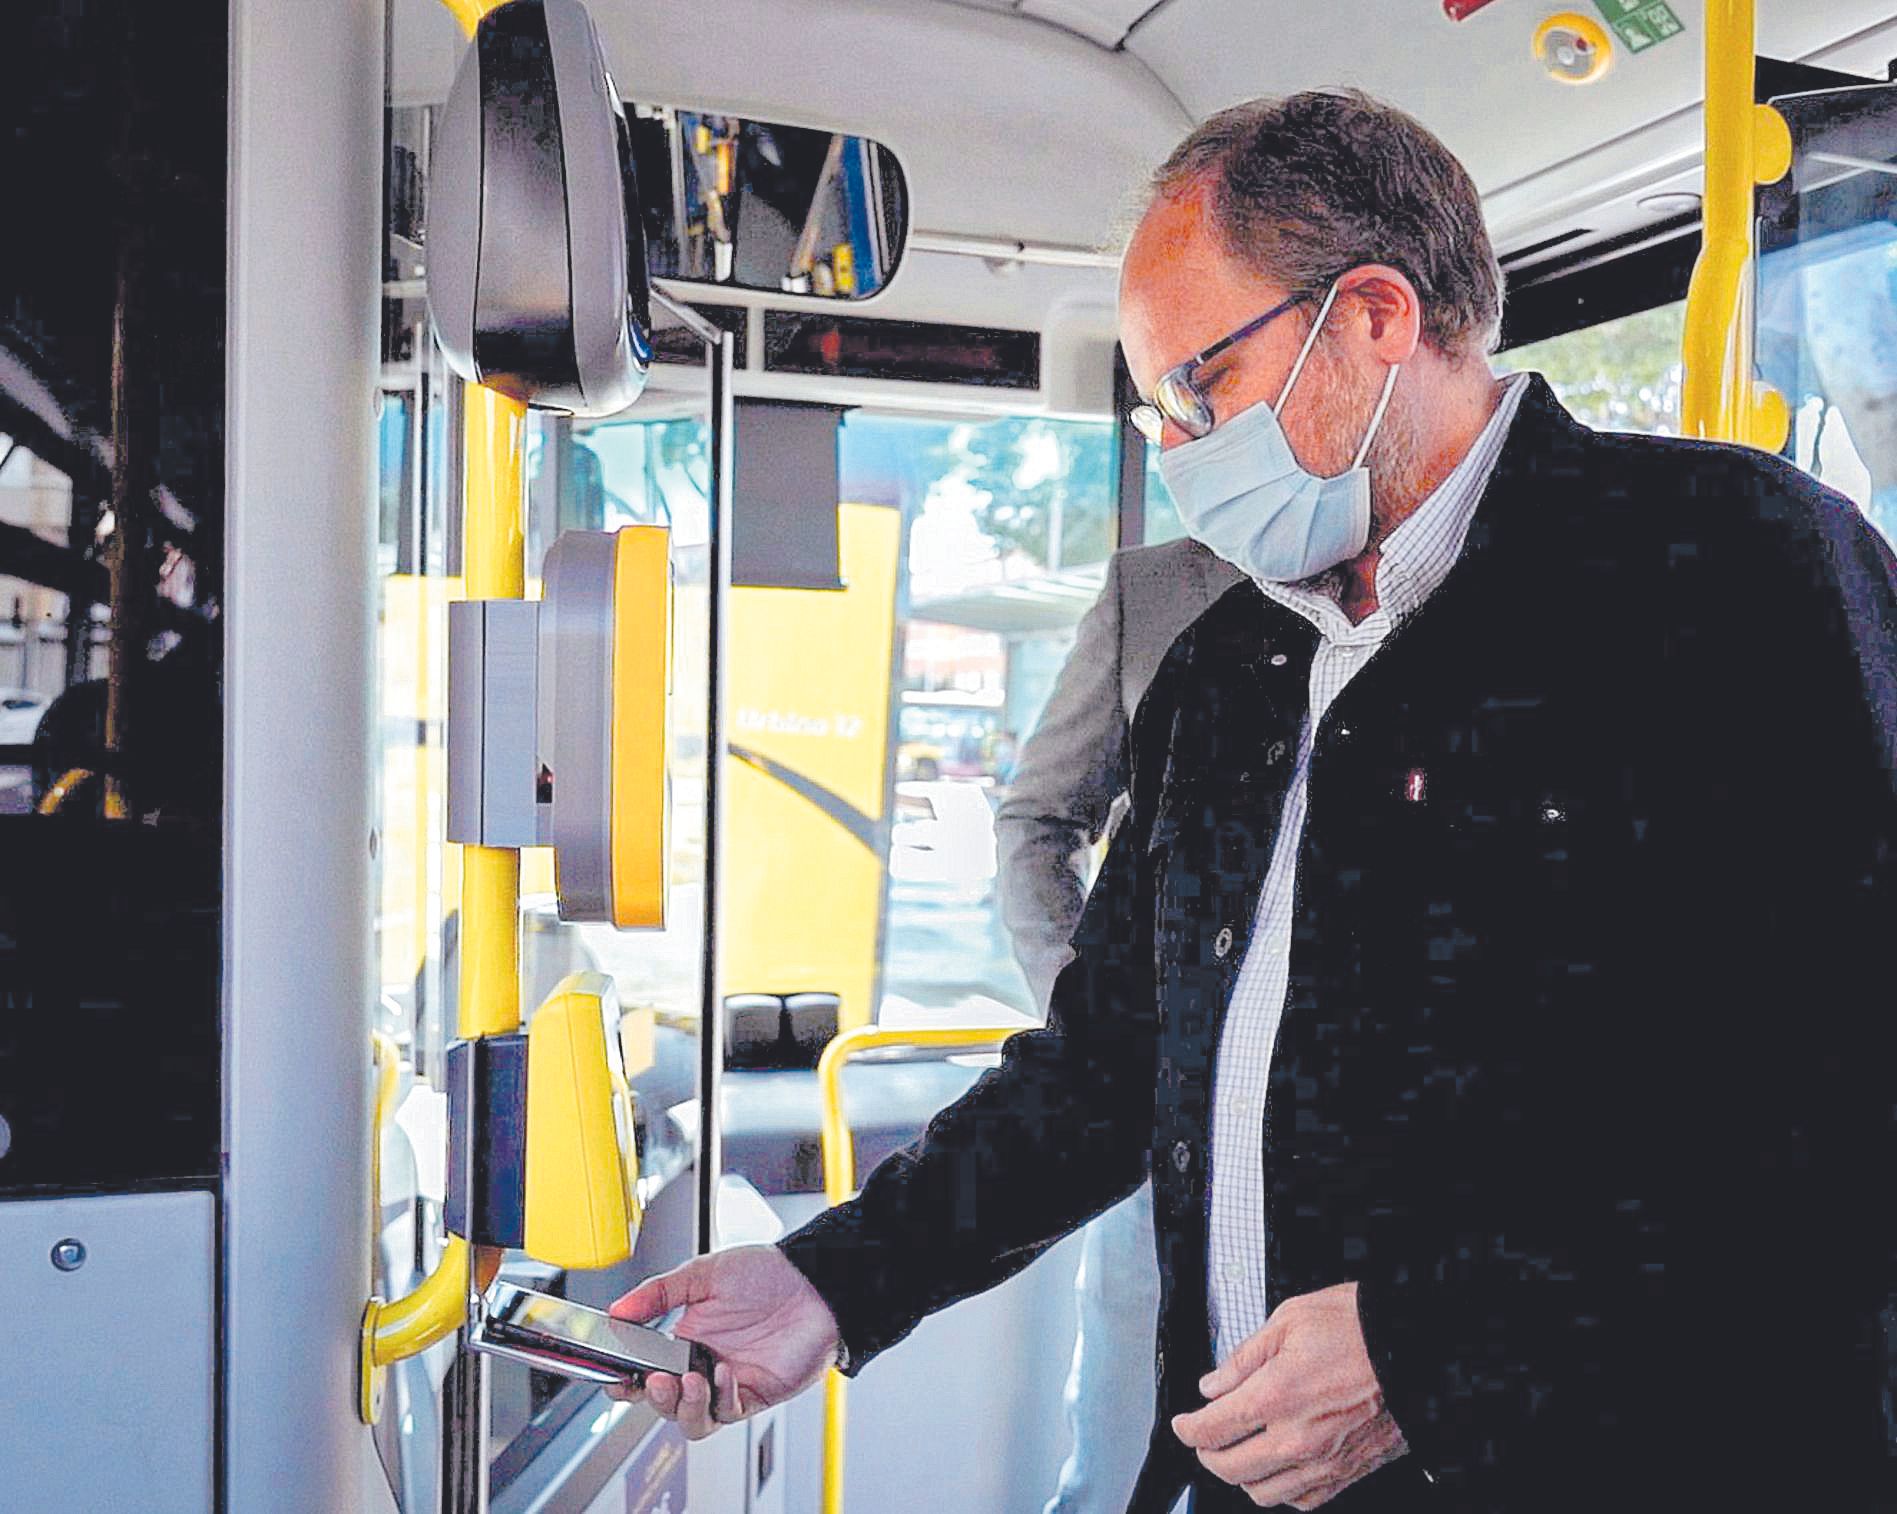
839 1181
433 1311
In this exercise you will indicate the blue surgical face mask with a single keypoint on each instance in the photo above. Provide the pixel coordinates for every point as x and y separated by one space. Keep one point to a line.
1242 492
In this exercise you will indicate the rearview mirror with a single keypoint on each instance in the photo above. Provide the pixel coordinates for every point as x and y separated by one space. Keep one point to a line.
760 205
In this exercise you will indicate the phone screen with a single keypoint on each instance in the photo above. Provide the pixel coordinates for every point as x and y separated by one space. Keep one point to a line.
540 1318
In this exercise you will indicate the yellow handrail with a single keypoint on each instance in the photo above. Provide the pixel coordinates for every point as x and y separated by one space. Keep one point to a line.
494 554
56 796
839 1181
54 799
434 1309
1746 145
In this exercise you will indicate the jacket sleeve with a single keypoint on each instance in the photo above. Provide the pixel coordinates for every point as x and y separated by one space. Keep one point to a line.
1053 1136
1705 1310
1071 769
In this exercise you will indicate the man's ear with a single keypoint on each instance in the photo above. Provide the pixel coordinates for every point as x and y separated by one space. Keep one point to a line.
1390 308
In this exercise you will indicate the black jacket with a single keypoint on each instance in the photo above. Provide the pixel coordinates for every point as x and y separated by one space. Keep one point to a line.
1585 1074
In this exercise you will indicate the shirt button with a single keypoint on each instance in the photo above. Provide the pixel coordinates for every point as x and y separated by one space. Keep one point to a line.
1222 943
1278 660
1234 1272
1181 1155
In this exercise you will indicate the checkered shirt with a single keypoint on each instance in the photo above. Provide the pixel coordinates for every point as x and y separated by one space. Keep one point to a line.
1415 559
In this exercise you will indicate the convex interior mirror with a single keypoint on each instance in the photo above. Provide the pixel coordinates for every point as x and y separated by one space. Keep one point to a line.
536 248
759 205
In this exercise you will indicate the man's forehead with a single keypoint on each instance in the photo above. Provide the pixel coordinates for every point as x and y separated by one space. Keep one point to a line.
1180 289
1176 229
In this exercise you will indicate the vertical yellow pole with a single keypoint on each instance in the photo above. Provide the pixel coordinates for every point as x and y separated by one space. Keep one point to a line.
493 555
835 1397
493 558
1746 145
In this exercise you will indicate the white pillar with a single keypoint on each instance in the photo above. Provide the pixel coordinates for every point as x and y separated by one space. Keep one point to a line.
302 339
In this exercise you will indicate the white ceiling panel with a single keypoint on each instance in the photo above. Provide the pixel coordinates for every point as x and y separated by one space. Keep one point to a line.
1104 21
1005 128
1475 83
1018 120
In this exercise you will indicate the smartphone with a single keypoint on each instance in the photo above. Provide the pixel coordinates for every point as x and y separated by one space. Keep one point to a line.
557 1335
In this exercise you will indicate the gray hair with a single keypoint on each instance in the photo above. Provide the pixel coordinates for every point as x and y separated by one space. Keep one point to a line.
1307 186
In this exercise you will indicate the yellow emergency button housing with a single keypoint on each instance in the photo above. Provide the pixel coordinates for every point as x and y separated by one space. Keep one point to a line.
582 1205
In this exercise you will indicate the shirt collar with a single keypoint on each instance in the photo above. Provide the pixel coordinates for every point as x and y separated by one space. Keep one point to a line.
1419 553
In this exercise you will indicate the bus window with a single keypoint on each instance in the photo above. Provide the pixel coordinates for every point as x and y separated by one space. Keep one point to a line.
1162 515
1827 269
35 497
1825 333
1009 523
1619 375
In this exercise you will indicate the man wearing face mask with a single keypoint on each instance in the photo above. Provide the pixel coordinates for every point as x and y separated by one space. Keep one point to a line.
1491 971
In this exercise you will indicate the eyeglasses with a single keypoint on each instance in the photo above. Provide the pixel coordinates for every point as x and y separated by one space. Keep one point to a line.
1177 398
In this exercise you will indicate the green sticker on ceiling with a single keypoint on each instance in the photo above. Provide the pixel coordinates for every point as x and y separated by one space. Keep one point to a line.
1640 24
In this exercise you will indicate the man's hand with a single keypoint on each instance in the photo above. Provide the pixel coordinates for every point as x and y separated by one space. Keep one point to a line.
771 1331
1296 1414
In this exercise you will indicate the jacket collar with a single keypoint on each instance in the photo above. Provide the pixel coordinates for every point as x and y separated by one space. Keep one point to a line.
1540 463
1225 661
1520 532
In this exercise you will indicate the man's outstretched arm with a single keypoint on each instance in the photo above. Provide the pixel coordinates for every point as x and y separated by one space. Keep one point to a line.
1054 1135
1051 1137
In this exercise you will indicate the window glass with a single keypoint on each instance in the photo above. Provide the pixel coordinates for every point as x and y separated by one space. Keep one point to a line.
416 875
113 157
1162 514
1621 375
1826 296
1008 524
35 498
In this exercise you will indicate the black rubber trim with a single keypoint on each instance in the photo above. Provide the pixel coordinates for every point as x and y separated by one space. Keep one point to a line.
520 120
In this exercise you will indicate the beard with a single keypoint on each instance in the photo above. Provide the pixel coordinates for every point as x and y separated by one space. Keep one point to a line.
1343 398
